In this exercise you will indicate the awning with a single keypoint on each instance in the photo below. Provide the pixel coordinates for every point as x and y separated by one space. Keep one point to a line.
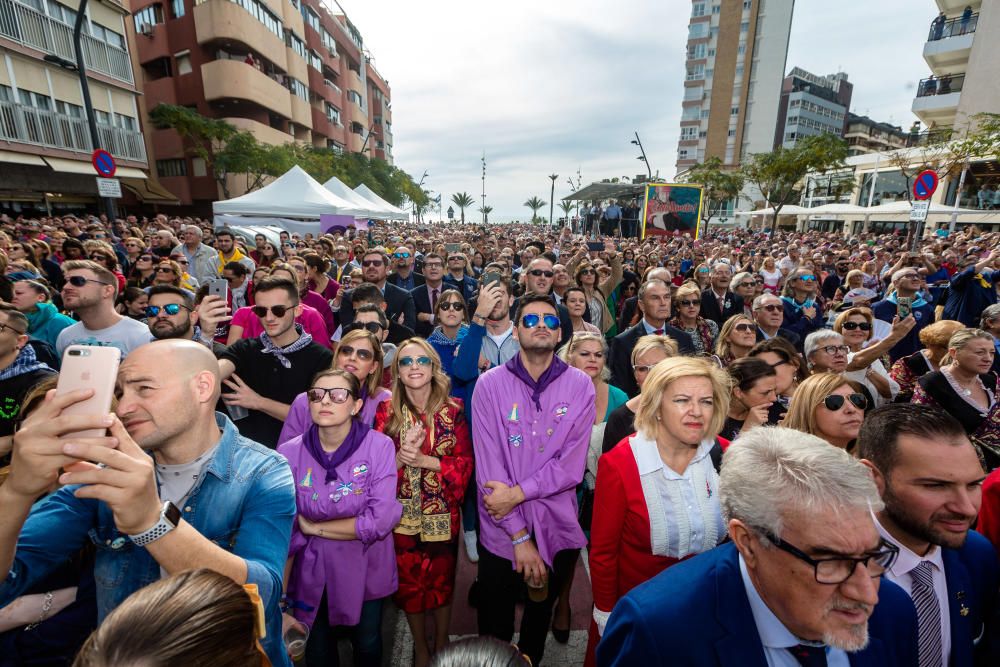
70 166
601 191
21 158
149 190
129 172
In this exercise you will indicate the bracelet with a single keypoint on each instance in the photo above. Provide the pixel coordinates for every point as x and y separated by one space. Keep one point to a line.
46 608
521 540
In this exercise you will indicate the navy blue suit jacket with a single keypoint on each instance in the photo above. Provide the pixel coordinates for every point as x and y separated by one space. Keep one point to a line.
696 613
973 575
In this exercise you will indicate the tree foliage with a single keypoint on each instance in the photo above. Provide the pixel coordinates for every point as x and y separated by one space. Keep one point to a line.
485 210
229 151
535 204
463 201
718 186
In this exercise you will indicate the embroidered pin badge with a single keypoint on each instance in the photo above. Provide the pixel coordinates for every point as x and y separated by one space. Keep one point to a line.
307 481
963 611
359 470
561 410
514 439
513 416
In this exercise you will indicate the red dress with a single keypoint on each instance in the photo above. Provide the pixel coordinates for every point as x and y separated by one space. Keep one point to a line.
989 513
427 566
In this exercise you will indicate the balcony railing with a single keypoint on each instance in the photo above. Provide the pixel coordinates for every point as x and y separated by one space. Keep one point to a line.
952 27
28 125
940 85
33 28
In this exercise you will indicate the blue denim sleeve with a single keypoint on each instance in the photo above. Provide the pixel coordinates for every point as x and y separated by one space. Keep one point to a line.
56 528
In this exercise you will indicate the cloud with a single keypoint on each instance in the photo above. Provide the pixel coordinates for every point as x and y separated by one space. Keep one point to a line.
552 86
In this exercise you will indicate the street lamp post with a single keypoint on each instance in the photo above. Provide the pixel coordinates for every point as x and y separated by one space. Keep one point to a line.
642 157
552 196
484 187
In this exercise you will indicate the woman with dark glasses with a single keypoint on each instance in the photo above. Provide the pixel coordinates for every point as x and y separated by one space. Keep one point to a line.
341 564
434 464
451 316
830 407
803 307
865 364
737 336
687 309
143 271
360 354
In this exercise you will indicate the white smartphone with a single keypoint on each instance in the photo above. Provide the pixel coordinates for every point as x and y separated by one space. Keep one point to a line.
88 367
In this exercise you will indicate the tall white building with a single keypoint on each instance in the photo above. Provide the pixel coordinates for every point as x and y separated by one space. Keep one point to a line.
736 57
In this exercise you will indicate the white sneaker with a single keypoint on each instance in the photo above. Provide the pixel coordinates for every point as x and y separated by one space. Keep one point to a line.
470 545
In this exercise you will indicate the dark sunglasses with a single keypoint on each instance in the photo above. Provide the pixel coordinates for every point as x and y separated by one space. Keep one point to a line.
347 350
279 311
372 262
584 272
834 402
409 361
538 273
164 269
772 307
689 302
531 321
457 306
370 327
851 326
744 327
336 394
80 281
146 258
169 309
99 258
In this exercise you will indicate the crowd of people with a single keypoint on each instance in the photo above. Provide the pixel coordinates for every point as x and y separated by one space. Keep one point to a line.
309 432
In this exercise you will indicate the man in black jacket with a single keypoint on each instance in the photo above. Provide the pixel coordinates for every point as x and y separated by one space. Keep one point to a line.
654 300
374 265
404 275
768 313
717 302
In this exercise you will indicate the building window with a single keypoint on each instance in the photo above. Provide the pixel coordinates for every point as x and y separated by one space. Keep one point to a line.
731 133
702 134
332 113
682 154
260 12
126 122
183 63
198 167
741 49
698 9
150 16
697 51
716 9
695 72
298 88
59 12
293 42
704 113
747 3
176 167
355 97
177 8
689 132
315 61
696 30
35 100
310 17
745 26
734 111
65 108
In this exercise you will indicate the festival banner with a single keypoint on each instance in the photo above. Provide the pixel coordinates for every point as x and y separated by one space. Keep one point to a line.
672 209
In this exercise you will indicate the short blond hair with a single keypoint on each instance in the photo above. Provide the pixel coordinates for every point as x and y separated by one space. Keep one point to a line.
579 337
802 409
669 371
654 342
939 333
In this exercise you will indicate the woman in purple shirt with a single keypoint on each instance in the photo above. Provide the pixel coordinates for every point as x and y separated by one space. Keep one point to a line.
341 562
360 354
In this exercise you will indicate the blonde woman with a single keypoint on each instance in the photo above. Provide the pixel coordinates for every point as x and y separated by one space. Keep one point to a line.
683 405
772 276
434 463
934 338
737 336
864 364
687 306
830 407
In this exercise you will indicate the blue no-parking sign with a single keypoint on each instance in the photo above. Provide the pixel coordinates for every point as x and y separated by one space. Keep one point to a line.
925 184
104 163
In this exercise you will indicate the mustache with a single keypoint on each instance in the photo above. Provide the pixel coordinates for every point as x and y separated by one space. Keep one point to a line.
843 605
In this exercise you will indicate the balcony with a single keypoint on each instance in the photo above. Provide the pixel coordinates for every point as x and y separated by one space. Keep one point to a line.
27 125
937 99
226 23
33 28
949 43
234 79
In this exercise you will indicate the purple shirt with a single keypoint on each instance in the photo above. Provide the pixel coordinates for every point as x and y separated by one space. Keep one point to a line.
350 571
544 451
299 418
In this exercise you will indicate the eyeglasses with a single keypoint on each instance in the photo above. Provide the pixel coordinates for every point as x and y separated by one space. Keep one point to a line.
401 255
839 569
744 327
433 265
347 350
457 306
834 349
371 262
689 302
771 307
644 368
169 309
80 281
370 327
834 402
4 327
531 321
851 326
538 273
279 311
337 394
405 362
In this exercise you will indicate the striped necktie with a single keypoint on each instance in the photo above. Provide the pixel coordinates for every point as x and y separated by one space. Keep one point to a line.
809 656
928 614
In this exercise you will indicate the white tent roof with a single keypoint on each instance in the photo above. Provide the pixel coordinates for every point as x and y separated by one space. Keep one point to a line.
904 207
837 209
337 187
391 211
789 209
295 194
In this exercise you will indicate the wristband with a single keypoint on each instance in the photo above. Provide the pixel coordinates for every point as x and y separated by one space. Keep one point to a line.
521 540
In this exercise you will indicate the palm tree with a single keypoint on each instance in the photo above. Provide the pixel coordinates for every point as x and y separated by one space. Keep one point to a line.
485 210
566 207
462 200
535 204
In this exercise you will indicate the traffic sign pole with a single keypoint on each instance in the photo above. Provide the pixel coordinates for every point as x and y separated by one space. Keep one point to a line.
924 186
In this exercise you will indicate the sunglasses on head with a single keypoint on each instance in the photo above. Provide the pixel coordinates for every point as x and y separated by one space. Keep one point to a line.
538 273
834 402
80 281
279 311
347 350
336 394
169 309
531 321
851 326
370 327
409 361
457 306
371 262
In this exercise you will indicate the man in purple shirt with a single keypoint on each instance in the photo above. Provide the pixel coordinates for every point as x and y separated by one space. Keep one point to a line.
532 418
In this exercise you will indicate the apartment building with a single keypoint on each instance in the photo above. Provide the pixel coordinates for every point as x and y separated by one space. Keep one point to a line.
736 53
812 105
45 142
961 53
284 70
864 135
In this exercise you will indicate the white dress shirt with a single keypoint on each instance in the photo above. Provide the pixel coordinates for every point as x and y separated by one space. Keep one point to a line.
899 574
775 637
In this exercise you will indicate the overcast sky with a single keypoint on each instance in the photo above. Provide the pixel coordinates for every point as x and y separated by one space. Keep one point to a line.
552 86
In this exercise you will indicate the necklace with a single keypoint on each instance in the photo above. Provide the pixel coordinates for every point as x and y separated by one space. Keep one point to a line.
965 391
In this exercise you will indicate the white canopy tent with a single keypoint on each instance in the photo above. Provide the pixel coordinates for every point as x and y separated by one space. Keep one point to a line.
393 213
789 209
337 187
837 209
904 207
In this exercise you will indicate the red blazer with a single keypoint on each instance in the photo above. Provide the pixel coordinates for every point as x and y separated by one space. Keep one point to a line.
989 513
620 550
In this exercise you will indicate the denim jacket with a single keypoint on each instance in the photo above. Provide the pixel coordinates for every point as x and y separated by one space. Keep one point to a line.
245 503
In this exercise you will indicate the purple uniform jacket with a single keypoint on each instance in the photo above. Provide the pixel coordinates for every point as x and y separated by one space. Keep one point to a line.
299 419
543 451
350 571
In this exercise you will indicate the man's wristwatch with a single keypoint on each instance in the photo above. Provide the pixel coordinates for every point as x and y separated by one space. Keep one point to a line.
170 516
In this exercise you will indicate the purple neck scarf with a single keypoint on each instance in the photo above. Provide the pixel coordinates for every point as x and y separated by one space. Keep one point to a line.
330 462
551 374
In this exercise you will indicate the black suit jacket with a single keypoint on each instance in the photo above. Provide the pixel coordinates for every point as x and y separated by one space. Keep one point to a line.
422 304
394 279
397 300
621 354
733 305
790 336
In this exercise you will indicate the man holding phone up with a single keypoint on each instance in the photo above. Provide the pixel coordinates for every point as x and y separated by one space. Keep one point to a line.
901 301
172 487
